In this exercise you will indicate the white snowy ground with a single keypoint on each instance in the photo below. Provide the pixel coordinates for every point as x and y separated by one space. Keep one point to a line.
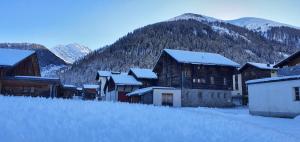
38 119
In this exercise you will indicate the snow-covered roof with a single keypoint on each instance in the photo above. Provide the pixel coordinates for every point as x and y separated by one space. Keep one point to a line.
143 73
10 57
109 73
288 59
200 58
259 65
69 86
33 78
124 79
273 79
90 86
146 90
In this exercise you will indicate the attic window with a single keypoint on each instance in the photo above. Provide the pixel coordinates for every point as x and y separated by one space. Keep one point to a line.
297 94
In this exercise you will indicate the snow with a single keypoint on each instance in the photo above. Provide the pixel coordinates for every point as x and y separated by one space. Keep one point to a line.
51 70
124 79
257 24
261 65
144 73
90 86
271 79
223 30
146 90
249 52
285 55
197 17
104 73
48 120
71 52
10 57
69 86
200 58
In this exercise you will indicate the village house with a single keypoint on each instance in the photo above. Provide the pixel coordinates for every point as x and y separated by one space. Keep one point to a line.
102 77
275 96
90 91
205 79
20 75
68 91
146 76
289 66
119 85
250 71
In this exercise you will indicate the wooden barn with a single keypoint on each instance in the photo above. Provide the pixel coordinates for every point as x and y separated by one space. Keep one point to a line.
250 71
119 85
289 66
20 75
146 76
205 79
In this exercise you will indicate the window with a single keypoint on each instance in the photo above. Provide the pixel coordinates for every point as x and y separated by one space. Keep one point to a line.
225 81
212 80
297 94
225 95
218 95
198 80
212 95
236 82
200 96
194 80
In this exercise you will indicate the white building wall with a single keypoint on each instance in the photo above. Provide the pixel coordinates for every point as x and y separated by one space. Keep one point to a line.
111 96
102 81
274 99
157 96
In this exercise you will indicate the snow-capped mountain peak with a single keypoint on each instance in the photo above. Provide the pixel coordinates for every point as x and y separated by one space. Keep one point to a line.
70 52
257 24
197 17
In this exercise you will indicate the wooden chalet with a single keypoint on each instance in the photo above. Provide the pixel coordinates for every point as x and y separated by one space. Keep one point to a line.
250 71
205 79
289 66
90 91
146 76
20 75
119 85
69 91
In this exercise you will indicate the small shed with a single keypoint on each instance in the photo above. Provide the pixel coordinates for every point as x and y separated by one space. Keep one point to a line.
90 91
156 95
68 91
275 96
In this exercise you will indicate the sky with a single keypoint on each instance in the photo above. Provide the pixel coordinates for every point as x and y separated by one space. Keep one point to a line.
96 23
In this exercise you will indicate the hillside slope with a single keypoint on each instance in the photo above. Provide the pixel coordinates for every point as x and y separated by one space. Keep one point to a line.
142 47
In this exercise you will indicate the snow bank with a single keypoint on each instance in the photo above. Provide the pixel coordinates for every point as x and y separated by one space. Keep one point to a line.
39 119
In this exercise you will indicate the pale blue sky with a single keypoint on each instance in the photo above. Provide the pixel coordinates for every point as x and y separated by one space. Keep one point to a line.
96 23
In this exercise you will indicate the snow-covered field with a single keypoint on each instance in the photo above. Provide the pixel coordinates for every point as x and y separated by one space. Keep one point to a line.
38 119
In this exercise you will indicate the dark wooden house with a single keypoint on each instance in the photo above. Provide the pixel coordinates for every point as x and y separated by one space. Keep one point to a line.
68 91
289 66
90 91
205 79
146 76
251 71
20 75
119 85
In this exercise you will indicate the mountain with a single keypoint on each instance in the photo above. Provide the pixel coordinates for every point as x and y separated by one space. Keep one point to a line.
257 24
46 58
284 33
70 52
143 46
